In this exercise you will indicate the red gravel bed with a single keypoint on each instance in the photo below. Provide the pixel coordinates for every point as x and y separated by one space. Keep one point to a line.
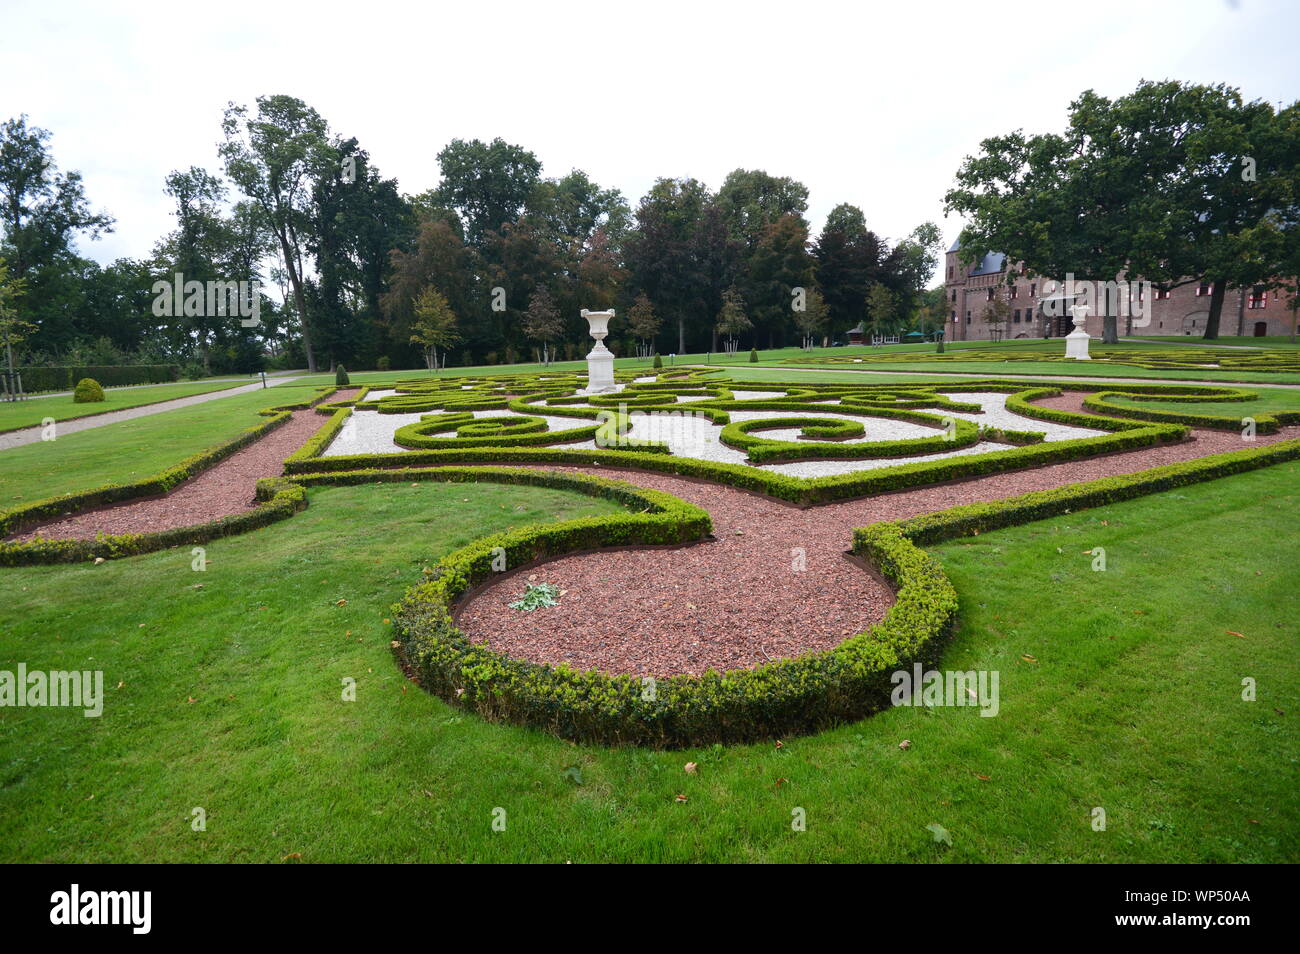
224 489
736 602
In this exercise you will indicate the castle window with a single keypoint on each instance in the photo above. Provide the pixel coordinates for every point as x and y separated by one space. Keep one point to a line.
1204 288
1258 297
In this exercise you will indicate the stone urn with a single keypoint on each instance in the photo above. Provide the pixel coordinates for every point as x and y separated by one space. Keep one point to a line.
600 362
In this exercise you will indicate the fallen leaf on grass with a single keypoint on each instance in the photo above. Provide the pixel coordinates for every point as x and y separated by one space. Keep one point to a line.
940 833
692 768
680 797
905 744
1231 632
1028 658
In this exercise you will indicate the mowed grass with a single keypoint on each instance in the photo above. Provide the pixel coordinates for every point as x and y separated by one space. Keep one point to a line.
15 415
1270 399
1119 689
130 450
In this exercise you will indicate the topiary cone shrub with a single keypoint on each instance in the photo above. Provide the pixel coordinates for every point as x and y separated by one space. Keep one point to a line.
87 391
341 376
659 362
753 356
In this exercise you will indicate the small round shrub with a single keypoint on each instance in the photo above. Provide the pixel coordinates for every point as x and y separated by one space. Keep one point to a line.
753 356
341 376
383 364
659 362
87 391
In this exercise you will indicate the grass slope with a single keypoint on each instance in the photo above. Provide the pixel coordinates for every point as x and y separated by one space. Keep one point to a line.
1130 701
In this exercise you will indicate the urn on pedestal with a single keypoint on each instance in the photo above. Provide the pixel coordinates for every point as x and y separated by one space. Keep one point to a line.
600 362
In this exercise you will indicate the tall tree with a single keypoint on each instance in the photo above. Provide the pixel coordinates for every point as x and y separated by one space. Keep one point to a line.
663 256
751 201
195 250
276 157
487 184
848 259
41 211
779 264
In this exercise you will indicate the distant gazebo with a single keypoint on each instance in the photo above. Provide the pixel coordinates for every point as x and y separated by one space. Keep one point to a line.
856 335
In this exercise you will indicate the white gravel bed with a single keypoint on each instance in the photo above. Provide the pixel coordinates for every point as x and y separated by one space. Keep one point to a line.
369 432
691 435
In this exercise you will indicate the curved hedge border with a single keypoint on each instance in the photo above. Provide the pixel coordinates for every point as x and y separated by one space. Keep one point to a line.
803 694
1266 423
767 450
70 551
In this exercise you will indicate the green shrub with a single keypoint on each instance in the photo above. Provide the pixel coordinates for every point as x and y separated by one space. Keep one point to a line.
341 376
753 356
88 392
658 362
383 364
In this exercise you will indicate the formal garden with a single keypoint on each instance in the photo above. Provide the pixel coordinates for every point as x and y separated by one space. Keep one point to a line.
500 615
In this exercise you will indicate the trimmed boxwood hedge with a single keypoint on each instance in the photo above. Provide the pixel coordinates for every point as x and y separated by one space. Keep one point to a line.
36 380
766 450
787 696
1265 423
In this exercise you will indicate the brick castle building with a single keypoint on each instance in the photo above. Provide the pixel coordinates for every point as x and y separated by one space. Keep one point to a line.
970 289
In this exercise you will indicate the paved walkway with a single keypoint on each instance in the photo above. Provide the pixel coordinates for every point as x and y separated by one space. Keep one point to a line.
31 435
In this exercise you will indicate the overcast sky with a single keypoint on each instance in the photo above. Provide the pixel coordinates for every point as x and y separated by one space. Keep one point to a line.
870 104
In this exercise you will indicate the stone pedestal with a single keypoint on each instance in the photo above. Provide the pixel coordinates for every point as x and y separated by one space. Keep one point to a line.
600 362
600 369
1076 342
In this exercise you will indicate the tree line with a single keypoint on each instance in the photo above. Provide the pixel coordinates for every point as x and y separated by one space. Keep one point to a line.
490 266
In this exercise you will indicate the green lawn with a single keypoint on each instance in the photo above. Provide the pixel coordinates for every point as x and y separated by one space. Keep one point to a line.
30 413
1270 399
1118 690
129 449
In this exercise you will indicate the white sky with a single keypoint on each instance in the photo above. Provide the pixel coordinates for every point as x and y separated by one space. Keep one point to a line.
874 104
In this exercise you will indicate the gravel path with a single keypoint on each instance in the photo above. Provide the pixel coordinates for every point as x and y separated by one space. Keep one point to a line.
223 489
31 435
